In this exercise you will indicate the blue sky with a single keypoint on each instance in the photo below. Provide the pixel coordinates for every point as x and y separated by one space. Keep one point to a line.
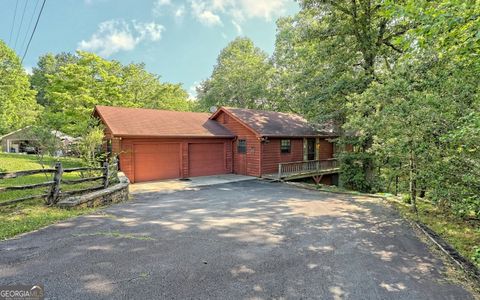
177 39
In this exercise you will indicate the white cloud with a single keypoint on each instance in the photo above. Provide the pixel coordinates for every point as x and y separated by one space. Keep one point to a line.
158 6
237 27
265 9
117 35
28 70
192 91
203 14
221 5
180 11
151 31
209 18
208 11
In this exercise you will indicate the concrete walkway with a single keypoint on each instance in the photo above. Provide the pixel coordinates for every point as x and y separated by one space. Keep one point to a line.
174 185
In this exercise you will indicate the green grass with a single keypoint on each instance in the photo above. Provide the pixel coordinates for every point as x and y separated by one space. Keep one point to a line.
33 214
18 162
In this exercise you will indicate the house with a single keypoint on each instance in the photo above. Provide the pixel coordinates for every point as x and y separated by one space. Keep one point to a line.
24 140
160 144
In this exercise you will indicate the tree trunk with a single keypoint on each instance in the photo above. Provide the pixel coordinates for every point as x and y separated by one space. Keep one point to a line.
413 183
396 185
368 167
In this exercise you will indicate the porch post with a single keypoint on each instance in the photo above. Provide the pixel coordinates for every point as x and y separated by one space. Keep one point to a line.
305 149
317 148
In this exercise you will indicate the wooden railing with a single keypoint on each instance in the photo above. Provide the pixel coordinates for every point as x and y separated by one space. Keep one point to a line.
303 167
55 192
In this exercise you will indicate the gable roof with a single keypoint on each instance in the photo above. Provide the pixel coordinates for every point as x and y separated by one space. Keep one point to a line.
275 124
141 122
29 135
15 131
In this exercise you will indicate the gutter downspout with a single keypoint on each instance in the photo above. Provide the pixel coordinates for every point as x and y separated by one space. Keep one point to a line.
261 156
233 153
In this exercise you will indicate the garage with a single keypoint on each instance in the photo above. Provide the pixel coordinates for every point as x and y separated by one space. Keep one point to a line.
156 161
206 159
156 144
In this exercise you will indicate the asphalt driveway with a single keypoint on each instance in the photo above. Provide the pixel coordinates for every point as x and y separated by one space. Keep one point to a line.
248 239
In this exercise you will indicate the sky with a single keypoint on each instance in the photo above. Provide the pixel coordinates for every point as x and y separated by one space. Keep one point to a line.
176 39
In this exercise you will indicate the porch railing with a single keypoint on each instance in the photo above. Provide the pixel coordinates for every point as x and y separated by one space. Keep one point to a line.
303 167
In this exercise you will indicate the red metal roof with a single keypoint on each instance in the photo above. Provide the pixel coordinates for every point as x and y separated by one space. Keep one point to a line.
141 122
276 124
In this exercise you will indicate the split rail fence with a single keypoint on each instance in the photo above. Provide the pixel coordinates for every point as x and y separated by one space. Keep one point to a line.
55 191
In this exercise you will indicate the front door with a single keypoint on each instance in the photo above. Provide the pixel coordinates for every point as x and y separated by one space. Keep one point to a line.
310 149
240 163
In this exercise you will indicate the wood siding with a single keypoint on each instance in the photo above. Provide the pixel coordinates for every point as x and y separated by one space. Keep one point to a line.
127 153
248 163
325 149
272 156
260 157
116 148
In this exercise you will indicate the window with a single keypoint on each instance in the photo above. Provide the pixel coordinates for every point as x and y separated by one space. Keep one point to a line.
285 146
242 146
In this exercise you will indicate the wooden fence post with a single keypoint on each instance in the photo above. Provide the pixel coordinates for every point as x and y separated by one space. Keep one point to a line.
106 174
55 190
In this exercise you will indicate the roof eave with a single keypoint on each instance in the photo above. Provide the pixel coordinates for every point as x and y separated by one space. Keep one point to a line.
300 136
98 113
180 136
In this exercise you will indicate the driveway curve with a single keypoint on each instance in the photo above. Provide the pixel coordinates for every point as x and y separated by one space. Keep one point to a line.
250 240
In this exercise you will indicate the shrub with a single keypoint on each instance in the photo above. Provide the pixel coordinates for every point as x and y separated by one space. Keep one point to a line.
406 198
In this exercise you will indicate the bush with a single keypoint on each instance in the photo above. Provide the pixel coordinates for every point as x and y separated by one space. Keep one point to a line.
406 198
90 147
353 174
476 255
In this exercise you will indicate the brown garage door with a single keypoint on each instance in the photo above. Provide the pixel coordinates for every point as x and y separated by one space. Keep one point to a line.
206 159
157 161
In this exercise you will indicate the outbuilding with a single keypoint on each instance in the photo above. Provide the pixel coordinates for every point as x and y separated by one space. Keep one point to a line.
26 140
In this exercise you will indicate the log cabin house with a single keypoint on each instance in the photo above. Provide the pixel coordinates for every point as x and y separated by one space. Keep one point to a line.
160 144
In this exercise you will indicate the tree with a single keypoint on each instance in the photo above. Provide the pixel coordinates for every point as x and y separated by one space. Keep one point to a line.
333 49
89 147
424 115
143 89
328 53
88 80
17 101
48 64
76 88
240 78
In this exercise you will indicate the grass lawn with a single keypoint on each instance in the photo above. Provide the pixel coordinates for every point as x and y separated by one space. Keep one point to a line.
33 214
